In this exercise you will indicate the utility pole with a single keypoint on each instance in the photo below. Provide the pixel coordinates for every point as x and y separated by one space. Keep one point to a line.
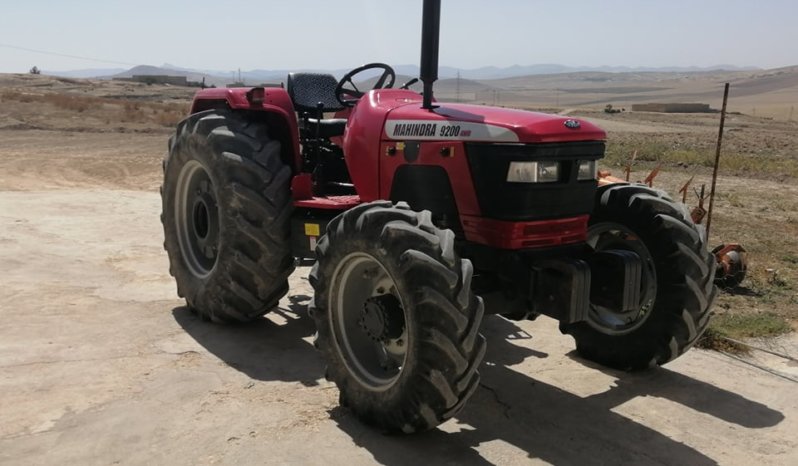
717 157
457 89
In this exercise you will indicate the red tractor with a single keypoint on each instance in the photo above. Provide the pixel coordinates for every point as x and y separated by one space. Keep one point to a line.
422 216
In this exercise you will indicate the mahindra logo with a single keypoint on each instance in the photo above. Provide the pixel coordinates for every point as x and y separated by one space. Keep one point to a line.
573 124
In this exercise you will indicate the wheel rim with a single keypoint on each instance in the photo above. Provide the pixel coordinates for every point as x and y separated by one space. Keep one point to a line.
607 235
369 321
197 217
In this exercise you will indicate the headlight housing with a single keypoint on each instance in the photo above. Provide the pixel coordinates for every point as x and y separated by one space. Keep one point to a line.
588 170
533 172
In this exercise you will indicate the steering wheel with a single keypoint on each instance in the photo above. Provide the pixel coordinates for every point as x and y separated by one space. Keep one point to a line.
349 96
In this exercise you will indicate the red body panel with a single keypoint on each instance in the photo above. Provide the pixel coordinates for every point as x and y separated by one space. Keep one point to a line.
525 235
455 164
373 143
363 134
276 101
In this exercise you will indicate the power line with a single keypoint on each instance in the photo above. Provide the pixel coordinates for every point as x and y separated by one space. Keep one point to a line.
58 54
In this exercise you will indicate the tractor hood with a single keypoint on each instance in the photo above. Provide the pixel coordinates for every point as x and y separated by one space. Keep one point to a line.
463 122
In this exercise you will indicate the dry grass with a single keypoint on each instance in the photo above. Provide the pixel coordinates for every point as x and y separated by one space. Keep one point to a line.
740 327
70 102
116 110
655 149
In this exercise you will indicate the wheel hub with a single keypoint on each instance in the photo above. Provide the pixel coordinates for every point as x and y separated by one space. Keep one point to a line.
613 319
205 223
382 318
368 321
197 216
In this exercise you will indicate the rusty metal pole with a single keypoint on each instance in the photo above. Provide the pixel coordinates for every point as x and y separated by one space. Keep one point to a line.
717 158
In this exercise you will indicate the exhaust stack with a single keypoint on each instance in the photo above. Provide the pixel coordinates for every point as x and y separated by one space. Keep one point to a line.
430 34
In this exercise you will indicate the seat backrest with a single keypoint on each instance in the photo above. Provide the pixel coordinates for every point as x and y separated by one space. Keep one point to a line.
308 89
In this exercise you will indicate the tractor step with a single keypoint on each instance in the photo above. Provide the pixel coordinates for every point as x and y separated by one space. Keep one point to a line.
340 203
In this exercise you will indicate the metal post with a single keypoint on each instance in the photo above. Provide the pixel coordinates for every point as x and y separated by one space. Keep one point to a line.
430 35
717 158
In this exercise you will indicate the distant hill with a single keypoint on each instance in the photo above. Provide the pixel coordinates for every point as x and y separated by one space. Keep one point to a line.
764 92
444 72
494 72
86 73
147 70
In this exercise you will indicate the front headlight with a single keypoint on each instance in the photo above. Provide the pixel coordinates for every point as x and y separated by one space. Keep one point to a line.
533 172
588 170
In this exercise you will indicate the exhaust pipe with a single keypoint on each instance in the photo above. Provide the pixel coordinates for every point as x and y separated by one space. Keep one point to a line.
430 35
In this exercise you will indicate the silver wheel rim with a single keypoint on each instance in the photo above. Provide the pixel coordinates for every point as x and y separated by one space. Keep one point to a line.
197 218
608 235
359 278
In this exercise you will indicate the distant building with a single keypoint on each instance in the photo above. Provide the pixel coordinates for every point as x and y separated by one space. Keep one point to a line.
672 108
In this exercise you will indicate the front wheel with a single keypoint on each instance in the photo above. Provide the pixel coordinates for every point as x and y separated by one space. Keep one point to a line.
395 316
676 290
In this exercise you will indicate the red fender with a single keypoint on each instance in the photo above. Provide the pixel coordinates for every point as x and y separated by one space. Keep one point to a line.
275 102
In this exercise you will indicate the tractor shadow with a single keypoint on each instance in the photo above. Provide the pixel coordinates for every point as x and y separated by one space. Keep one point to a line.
270 349
543 420
555 425
740 290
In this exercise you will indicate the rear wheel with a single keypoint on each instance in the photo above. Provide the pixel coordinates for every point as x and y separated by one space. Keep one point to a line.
226 214
395 316
676 291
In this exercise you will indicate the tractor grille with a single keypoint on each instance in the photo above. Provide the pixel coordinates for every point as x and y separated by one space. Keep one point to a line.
502 200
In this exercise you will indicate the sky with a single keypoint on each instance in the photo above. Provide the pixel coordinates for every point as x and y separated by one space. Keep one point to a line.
336 34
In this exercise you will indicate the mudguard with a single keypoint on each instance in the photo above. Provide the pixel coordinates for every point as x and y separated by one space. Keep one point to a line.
276 104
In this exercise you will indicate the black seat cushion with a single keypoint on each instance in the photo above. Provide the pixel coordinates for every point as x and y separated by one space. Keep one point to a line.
307 90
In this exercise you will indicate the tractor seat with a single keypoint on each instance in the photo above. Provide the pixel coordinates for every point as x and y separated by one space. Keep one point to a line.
307 92
328 127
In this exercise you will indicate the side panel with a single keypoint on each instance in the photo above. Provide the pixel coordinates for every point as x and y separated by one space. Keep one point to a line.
362 139
437 195
448 155
276 102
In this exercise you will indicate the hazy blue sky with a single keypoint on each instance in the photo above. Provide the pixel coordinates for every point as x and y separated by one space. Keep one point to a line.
343 33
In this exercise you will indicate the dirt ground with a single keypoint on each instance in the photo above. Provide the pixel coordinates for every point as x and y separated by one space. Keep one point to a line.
100 363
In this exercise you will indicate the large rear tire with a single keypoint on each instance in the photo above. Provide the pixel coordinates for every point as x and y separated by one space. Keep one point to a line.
677 289
226 216
395 316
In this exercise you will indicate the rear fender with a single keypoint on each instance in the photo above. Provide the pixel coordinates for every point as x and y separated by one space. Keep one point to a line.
276 108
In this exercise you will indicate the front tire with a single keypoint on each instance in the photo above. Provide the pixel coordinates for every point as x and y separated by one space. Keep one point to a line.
226 216
395 316
677 287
